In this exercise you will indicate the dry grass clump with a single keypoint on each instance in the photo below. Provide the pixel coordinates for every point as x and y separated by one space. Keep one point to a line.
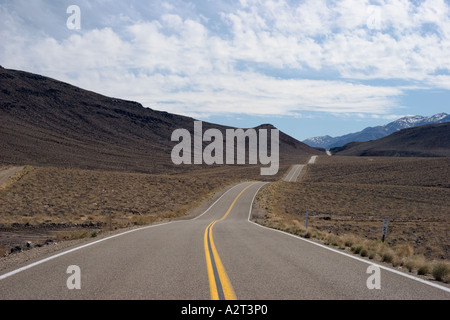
349 240
333 240
76 234
403 250
441 271
3 251
417 262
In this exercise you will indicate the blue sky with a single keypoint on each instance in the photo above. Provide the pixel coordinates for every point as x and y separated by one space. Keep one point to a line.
311 67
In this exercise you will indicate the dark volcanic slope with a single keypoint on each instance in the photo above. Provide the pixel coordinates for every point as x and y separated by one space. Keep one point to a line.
48 122
424 141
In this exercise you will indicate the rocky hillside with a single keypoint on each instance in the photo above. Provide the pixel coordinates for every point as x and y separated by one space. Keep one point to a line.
47 122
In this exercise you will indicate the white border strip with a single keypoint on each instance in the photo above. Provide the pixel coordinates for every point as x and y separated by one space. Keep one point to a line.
11 273
345 254
6 275
218 200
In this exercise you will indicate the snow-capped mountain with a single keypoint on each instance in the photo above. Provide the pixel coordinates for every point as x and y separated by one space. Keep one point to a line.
414 121
372 133
319 141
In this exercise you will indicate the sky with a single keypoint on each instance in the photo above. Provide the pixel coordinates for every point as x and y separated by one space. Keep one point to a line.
310 68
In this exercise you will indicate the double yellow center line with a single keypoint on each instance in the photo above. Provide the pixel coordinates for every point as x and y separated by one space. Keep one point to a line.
219 283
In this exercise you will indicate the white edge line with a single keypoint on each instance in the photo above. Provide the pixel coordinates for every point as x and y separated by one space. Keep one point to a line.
345 254
11 273
6 275
218 200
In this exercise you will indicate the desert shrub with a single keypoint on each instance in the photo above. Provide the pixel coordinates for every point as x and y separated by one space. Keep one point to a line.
298 231
357 249
349 240
423 269
403 250
414 262
387 256
143 220
410 265
397 261
441 271
333 240
72 235
314 233
363 252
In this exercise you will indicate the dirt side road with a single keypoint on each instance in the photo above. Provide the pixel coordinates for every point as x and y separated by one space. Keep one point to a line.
7 172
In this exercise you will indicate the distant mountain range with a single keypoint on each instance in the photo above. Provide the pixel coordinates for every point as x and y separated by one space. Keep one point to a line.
373 133
431 140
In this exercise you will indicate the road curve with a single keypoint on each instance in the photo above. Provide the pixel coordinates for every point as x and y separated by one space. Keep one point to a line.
218 255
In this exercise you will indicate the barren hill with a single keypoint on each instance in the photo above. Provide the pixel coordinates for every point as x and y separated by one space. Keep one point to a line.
48 122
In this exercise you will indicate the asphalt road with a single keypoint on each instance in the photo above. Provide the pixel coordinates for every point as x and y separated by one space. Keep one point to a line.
294 173
218 255
312 160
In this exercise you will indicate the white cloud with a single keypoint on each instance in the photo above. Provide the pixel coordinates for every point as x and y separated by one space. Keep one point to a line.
440 81
261 95
179 64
